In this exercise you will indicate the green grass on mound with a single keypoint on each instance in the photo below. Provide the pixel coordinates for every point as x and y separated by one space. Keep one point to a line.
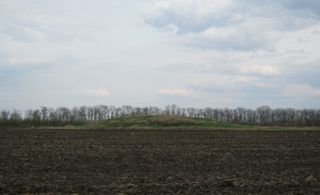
145 121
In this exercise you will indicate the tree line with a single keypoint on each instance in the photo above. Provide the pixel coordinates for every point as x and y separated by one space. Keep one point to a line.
264 115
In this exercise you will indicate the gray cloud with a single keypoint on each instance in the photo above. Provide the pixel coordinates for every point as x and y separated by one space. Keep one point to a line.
307 5
234 25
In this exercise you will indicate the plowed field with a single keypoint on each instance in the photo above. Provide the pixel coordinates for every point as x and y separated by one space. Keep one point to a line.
159 162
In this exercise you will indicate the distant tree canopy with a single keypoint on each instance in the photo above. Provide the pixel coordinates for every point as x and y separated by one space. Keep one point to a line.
61 116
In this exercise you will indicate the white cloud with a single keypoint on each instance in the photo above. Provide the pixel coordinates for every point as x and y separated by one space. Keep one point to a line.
228 39
92 92
220 79
302 91
173 92
263 70
221 83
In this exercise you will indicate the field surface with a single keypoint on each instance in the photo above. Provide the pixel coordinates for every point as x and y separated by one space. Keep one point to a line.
35 161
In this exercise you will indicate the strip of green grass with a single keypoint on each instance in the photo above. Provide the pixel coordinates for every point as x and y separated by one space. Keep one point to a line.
160 122
178 122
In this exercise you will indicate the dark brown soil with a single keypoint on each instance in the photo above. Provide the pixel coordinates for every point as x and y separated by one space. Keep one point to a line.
158 162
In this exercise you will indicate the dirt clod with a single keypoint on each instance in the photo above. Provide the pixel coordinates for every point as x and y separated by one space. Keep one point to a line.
311 180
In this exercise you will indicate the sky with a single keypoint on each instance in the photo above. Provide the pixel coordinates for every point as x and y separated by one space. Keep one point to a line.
199 53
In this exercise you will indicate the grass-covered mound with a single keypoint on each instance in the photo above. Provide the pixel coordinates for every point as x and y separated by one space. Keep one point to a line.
146 121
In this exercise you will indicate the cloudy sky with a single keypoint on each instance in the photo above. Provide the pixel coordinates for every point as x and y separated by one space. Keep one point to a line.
198 53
